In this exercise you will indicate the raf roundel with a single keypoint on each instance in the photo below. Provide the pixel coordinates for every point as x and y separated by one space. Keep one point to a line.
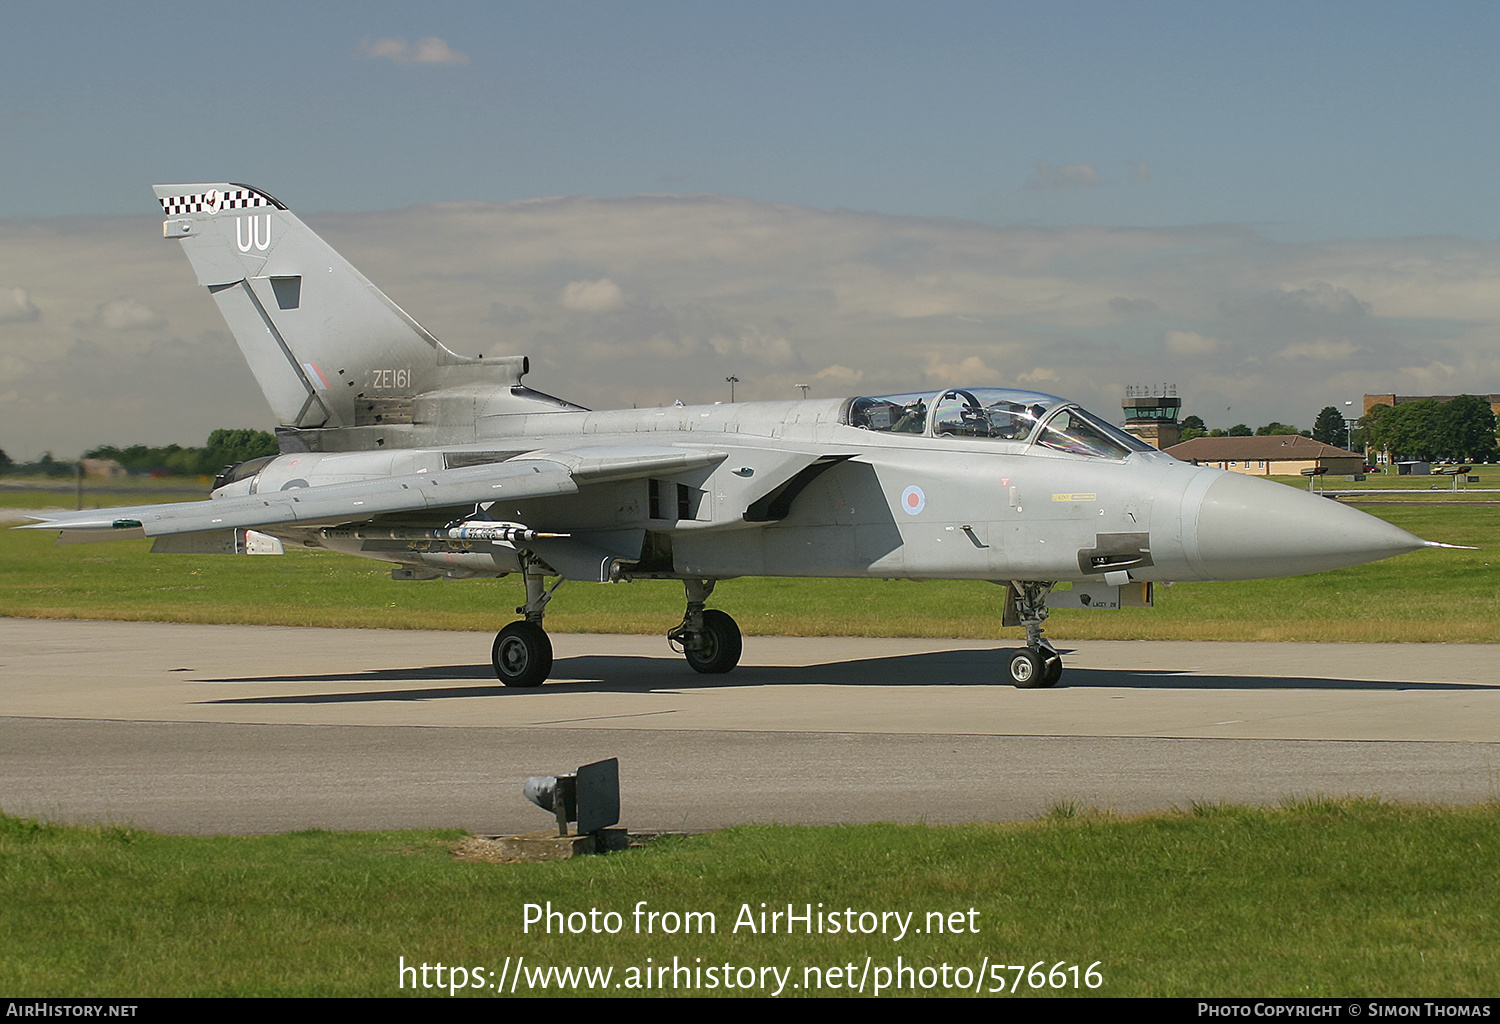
913 501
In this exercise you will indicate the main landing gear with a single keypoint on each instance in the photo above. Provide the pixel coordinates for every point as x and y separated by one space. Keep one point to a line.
708 638
1037 664
522 655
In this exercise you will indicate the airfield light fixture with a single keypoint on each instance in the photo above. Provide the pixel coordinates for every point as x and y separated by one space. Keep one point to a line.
731 381
590 796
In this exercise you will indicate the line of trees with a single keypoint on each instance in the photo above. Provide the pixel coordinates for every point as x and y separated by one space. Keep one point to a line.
45 466
223 448
1193 426
1461 429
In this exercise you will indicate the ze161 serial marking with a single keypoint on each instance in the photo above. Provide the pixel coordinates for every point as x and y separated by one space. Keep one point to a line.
390 379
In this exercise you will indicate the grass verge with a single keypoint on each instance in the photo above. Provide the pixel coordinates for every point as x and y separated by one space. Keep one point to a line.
1317 898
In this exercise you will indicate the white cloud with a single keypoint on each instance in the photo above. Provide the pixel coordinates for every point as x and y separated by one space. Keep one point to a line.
841 375
394 49
968 370
1322 349
432 50
128 314
16 307
1323 297
1313 299
1191 343
1052 176
770 350
1129 307
592 296
427 50
1434 377
1038 375
1140 172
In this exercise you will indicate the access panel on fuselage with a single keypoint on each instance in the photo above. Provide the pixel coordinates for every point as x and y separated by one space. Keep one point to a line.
902 515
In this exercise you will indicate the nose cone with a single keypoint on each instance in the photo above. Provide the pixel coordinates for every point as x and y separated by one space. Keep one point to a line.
1255 529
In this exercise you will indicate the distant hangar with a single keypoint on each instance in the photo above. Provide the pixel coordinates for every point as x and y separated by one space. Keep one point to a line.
1273 455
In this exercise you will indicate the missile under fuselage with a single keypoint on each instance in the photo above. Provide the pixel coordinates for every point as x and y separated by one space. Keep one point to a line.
474 531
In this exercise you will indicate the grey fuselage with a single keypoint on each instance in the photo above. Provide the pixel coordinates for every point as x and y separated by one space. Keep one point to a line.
866 504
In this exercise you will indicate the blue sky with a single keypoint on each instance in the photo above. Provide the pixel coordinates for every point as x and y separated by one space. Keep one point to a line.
1278 206
1313 120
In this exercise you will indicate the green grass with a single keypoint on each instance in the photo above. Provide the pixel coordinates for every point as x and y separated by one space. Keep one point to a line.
1412 486
61 492
1437 595
1321 897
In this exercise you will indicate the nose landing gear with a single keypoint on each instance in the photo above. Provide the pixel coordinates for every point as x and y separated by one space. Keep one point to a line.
1037 664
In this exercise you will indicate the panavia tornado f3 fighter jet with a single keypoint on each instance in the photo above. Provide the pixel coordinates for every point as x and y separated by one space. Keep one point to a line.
395 448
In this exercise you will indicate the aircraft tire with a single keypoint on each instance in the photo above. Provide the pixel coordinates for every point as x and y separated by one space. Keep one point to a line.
1054 671
522 654
720 644
1026 669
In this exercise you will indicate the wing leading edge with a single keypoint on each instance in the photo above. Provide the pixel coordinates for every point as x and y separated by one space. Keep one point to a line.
530 476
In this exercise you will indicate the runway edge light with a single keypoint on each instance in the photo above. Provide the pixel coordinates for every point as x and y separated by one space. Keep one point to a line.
590 796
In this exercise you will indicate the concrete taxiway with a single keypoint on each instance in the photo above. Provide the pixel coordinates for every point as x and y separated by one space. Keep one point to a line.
255 729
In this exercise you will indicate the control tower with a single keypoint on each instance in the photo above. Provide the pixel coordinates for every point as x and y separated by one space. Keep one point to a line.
1151 413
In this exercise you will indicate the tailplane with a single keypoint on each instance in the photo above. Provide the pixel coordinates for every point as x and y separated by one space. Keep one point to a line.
327 347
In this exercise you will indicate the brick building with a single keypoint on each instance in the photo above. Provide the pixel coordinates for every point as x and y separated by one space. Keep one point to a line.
1373 400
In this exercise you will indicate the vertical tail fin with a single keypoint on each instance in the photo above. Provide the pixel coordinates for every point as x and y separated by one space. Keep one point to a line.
327 347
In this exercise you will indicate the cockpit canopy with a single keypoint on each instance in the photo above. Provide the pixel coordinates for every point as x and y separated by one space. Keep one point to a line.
995 414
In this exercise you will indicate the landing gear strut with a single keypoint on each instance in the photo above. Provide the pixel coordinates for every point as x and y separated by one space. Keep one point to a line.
708 638
522 654
1037 664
